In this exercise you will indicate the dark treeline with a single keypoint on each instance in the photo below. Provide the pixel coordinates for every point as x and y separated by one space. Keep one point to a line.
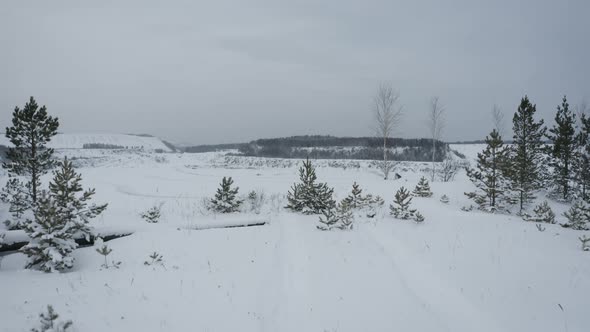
213 147
330 147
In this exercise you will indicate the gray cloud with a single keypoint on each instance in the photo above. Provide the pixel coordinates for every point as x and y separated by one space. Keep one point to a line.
238 70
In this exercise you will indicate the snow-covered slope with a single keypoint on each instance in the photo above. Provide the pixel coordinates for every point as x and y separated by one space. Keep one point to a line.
458 271
77 141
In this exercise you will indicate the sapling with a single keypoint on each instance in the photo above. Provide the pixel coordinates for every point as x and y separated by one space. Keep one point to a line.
49 322
585 242
155 259
444 199
104 250
540 228
153 214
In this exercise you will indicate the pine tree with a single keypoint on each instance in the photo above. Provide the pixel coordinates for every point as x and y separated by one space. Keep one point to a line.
526 172
340 217
542 213
51 238
490 176
444 199
49 322
15 194
71 199
422 188
582 162
225 200
578 216
400 208
152 215
563 150
308 196
355 199
32 128
418 217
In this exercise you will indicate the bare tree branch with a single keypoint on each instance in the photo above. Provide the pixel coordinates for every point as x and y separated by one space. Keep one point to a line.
388 113
498 119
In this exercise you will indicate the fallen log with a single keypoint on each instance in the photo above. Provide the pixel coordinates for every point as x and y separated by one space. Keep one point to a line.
82 242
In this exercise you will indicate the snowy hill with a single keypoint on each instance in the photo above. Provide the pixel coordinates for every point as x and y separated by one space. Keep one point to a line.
77 141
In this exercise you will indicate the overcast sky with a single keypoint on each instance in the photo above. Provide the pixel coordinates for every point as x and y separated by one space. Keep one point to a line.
231 71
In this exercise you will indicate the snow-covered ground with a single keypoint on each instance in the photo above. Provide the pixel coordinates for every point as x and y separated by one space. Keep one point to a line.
458 271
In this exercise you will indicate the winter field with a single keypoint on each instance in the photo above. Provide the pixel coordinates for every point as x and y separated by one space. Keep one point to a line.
456 271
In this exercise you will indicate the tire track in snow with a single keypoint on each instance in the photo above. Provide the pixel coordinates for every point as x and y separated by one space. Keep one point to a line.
450 307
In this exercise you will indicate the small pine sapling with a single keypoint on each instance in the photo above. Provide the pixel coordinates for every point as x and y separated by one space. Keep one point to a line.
104 250
577 217
355 199
15 194
542 213
153 214
225 200
422 188
585 242
400 208
307 196
444 199
255 201
340 217
540 228
49 322
418 217
155 259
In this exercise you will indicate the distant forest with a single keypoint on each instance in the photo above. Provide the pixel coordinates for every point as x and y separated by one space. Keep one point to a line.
330 147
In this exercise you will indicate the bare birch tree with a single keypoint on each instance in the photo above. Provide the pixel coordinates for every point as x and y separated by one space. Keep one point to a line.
436 124
498 119
388 113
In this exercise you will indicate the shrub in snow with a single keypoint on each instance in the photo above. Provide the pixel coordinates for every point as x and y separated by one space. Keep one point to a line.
154 259
49 322
542 213
467 208
308 196
422 188
540 228
255 201
444 199
60 216
340 217
153 214
577 216
104 250
400 208
16 195
225 200
585 242
448 168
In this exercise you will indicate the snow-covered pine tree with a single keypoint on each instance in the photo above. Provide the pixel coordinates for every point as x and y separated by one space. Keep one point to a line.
355 199
400 208
422 188
72 200
578 216
418 217
225 200
16 195
49 322
542 213
563 151
152 215
490 175
32 128
340 217
582 163
308 196
444 199
526 171
51 238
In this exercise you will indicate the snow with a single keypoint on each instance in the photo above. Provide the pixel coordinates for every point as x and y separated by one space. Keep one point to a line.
456 271
77 141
